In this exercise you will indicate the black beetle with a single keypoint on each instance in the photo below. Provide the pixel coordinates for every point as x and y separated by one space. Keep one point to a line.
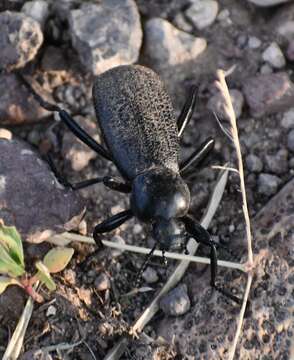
142 135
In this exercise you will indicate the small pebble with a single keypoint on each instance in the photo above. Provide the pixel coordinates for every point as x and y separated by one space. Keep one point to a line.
290 140
51 311
38 10
202 13
266 69
254 164
274 56
288 119
176 302
277 163
150 275
268 184
102 282
254 42
137 229
118 239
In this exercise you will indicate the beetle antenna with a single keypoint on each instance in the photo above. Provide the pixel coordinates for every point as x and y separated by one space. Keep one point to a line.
144 265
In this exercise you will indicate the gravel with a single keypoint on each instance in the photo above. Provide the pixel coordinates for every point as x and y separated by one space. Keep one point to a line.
254 164
274 56
268 184
176 302
202 13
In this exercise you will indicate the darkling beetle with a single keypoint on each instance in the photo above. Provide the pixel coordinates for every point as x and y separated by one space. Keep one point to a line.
142 135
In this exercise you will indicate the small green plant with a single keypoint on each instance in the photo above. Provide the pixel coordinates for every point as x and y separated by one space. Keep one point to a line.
12 265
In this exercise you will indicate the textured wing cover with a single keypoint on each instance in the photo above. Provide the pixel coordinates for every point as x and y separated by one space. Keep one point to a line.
137 119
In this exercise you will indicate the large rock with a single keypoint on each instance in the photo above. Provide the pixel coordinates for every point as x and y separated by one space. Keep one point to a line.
174 54
17 105
30 196
166 46
107 34
208 329
268 93
202 13
20 40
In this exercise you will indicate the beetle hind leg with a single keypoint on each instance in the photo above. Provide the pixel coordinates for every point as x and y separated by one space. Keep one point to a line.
197 156
187 111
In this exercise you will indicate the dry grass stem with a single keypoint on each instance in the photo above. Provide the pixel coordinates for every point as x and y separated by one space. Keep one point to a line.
228 106
16 342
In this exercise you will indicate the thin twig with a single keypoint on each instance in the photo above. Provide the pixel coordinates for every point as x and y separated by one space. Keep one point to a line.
16 342
222 86
142 250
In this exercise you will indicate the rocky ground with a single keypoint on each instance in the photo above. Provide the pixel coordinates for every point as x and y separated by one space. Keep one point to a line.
59 46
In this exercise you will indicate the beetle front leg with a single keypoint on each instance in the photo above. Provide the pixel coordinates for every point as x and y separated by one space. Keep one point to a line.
202 236
110 224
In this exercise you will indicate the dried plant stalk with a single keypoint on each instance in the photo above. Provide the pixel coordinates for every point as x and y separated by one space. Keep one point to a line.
228 107
16 342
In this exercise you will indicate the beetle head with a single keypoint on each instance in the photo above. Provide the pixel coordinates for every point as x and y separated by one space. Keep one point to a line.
159 193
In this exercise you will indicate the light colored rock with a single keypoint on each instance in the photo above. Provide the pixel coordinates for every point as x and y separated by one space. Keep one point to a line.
254 163
268 184
32 199
254 42
288 119
286 30
265 3
176 302
202 13
267 94
106 34
216 103
167 46
150 275
274 56
38 10
20 40
278 162
102 282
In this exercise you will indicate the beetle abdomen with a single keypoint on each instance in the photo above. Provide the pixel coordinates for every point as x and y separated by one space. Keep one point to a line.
137 119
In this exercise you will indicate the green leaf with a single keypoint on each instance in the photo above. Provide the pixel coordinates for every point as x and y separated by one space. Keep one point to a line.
8 265
44 276
6 281
11 241
57 259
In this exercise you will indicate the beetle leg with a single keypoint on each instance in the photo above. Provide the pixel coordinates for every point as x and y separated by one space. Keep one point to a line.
116 184
110 224
144 266
202 236
187 111
198 155
69 121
